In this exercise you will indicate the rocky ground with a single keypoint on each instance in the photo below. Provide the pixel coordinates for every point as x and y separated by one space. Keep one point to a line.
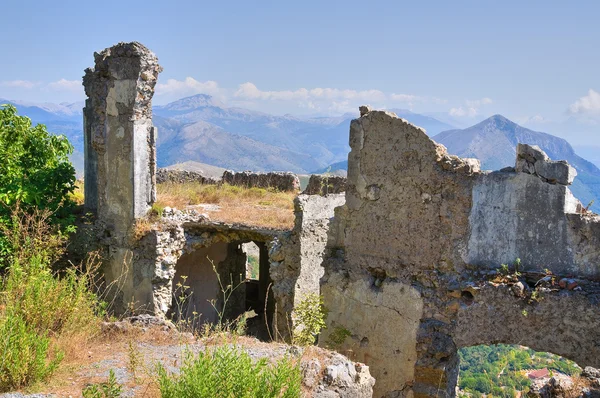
132 351
559 385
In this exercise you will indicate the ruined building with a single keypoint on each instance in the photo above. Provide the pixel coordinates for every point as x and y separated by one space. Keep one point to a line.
408 259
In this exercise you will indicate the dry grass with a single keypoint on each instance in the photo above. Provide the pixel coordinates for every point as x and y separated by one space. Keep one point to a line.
77 195
80 368
252 206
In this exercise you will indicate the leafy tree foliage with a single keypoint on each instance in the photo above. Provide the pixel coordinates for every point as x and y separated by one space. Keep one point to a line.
35 173
497 370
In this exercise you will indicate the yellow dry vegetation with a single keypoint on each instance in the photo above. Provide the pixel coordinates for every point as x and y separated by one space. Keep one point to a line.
267 208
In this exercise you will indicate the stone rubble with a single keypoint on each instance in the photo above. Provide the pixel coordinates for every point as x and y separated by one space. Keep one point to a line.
532 160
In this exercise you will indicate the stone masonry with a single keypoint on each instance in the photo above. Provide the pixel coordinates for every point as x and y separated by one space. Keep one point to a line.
325 185
424 254
119 135
120 154
280 181
296 257
413 258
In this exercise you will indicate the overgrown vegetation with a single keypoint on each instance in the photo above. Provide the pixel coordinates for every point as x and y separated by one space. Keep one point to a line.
109 389
309 319
229 372
35 173
501 370
255 206
42 314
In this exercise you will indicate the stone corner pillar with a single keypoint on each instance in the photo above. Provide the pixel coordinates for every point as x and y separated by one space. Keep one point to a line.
120 140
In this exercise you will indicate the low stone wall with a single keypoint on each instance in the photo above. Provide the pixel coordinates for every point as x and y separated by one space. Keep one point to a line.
182 176
325 185
280 181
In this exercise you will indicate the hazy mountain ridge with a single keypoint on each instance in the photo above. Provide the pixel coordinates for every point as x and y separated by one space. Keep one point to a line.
202 129
494 141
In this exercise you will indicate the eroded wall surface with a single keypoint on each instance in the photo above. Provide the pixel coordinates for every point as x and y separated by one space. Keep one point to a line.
120 159
412 256
119 135
296 258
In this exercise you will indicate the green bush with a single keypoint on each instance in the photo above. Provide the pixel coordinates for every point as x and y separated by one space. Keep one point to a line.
309 318
227 372
40 311
35 173
24 353
109 389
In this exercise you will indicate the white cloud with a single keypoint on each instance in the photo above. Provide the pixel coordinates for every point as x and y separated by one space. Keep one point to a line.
463 111
470 108
536 119
189 86
66 85
586 105
18 84
403 97
250 91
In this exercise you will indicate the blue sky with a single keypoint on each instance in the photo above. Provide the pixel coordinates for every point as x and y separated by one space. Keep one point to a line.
536 62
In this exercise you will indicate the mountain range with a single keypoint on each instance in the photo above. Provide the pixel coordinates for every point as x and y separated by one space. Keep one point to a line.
494 141
202 129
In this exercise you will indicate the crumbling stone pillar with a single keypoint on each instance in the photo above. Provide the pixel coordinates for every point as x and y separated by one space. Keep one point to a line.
120 159
120 154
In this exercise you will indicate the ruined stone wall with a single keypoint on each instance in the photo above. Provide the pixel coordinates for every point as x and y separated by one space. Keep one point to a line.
296 258
119 135
325 185
120 159
412 256
280 181
182 176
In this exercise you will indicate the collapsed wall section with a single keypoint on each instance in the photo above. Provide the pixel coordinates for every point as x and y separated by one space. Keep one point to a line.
406 213
412 257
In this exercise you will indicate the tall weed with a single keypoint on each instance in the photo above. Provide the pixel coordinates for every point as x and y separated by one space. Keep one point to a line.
41 312
228 372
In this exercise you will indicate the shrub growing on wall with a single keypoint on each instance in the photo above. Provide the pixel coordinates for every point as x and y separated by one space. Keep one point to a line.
35 173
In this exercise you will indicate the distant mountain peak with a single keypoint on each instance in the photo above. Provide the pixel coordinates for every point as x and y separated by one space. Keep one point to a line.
194 102
493 141
499 120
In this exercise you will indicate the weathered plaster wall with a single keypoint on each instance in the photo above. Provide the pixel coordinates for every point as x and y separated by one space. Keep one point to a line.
202 282
410 272
560 321
406 216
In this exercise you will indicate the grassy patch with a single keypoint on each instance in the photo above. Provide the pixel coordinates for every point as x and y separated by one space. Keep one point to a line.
43 316
229 372
253 206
